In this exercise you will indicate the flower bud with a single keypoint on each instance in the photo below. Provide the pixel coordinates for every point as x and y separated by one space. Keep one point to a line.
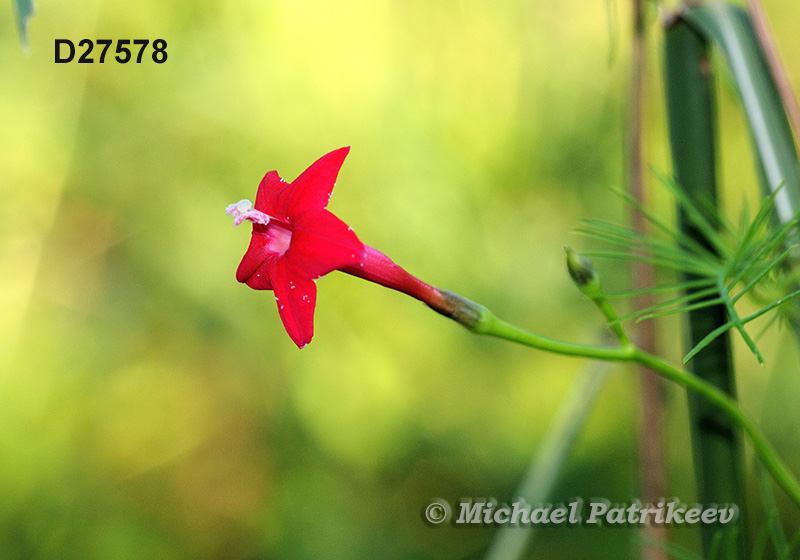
583 273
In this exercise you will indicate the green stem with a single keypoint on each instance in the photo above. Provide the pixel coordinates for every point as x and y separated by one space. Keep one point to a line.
729 406
487 323
613 320
491 325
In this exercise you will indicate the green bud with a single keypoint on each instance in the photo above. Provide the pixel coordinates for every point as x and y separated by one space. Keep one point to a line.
583 273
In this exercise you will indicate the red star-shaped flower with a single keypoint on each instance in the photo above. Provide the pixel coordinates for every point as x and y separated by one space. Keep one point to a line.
296 240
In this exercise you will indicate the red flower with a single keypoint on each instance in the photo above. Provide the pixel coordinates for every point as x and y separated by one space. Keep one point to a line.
295 241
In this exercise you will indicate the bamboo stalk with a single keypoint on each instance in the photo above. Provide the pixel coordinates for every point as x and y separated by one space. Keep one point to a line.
715 441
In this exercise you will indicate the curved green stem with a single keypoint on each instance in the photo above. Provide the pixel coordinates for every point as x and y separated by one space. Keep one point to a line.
493 326
761 445
485 322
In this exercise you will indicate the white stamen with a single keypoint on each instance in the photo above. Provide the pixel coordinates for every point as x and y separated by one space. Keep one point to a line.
243 210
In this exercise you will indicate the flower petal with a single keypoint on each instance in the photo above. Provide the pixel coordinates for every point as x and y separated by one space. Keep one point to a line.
296 297
322 243
254 269
312 189
271 191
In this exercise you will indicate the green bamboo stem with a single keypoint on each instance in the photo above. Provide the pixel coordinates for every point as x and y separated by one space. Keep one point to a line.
716 446
732 31
730 28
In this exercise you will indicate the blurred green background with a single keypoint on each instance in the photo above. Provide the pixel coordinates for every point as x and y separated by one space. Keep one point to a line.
152 407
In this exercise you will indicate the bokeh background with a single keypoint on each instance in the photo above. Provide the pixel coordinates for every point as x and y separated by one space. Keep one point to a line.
152 407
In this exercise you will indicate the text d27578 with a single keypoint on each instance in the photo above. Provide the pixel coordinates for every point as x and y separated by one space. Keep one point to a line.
126 50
